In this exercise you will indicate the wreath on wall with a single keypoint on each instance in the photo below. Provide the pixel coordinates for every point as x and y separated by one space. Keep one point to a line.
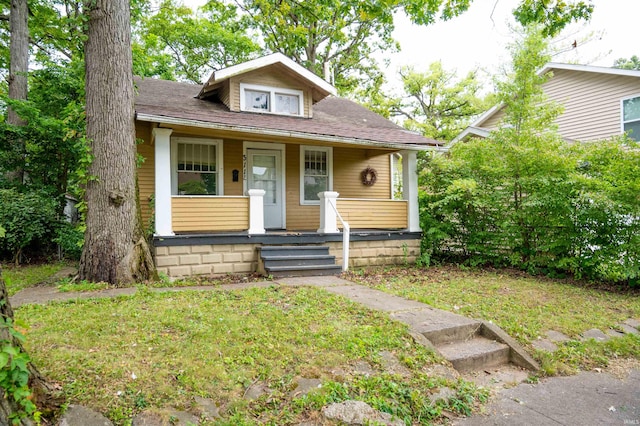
369 176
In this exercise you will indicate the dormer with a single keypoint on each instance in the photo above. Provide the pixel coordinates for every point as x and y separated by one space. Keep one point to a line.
272 84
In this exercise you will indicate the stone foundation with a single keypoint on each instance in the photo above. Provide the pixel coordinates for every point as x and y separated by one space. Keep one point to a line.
218 259
213 259
377 253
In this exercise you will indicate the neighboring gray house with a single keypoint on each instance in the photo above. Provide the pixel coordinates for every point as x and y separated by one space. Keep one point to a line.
598 102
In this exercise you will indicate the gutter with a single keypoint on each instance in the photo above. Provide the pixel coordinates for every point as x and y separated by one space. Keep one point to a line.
279 133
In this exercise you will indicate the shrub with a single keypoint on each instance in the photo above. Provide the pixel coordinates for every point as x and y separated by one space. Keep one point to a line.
29 220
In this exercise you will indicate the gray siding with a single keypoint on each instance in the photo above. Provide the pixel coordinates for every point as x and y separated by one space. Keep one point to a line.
591 100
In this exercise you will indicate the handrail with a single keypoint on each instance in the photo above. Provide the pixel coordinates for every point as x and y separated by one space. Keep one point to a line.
346 231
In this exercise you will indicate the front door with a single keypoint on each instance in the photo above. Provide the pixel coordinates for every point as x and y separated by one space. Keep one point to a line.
264 172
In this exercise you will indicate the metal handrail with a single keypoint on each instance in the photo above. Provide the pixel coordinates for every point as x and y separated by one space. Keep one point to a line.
346 231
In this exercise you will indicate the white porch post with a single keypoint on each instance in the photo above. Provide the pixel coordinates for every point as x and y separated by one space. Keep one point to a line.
410 189
163 181
256 211
328 217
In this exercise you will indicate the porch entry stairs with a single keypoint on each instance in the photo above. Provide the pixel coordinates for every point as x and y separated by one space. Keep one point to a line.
297 261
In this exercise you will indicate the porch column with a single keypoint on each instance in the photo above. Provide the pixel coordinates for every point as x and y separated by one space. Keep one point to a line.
163 181
328 217
256 211
410 189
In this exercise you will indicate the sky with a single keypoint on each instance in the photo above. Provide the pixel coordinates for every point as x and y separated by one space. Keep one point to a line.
478 38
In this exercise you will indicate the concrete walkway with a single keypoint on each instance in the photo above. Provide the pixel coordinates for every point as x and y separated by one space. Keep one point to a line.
585 399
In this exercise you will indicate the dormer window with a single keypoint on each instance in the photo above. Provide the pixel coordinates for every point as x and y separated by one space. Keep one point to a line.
272 100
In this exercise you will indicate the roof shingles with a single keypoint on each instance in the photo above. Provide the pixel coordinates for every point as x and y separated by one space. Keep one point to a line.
332 117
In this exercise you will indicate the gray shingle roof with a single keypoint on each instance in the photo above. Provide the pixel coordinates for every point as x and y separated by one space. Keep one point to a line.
332 117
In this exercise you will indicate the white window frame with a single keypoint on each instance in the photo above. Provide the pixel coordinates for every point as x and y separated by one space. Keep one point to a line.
273 91
622 122
219 164
329 151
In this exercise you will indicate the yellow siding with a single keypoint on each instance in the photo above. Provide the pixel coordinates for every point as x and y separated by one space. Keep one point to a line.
299 218
270 76
232 151
373 214
210 214
223 94
348 164
146 172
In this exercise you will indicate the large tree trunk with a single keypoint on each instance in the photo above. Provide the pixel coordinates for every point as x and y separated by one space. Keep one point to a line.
18 68
115 249
45 396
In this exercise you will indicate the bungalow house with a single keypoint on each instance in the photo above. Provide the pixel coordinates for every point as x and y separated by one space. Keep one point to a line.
598 102
263 166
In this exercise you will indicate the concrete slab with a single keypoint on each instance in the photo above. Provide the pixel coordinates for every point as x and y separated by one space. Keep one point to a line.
544 345
584 399
627 329
427 320
557 337
596 334
319 281
632 322
375 299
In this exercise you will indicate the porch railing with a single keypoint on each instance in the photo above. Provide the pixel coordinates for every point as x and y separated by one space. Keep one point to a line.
346 234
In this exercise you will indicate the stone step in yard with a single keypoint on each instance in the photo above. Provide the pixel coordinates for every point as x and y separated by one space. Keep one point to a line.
477 353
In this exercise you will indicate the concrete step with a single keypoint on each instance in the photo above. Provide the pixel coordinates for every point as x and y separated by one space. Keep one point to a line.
302 260
477 353
452 333
303 271
294 250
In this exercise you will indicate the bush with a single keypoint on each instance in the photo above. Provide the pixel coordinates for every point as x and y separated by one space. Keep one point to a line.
30 220
70 239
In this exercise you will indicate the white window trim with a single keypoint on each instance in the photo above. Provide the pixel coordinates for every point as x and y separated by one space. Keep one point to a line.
219 164
622 122
329 151
272 98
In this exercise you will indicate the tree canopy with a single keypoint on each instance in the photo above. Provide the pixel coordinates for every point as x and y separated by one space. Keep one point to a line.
633 63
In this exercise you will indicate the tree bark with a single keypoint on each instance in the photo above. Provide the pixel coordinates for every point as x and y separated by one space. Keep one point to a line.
18 68
115 249
45 395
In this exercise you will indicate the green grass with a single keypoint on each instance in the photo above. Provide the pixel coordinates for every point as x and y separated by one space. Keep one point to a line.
524 306
216 344
21 277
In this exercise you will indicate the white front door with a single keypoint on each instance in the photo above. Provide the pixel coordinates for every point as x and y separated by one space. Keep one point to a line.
264 171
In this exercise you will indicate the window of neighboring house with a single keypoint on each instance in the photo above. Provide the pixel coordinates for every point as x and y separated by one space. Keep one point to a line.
271 100
631 117
196 166
316 172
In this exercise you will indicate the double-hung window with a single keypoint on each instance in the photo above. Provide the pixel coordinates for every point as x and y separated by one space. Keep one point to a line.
272 100
196 166
631 117
316 172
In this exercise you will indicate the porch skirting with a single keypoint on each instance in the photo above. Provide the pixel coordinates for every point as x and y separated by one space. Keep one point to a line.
186 255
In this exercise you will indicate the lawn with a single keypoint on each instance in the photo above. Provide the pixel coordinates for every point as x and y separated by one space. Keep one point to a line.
20 277
157 350
524 306
152 351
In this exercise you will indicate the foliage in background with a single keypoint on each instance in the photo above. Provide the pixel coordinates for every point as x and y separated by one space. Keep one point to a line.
176 43
633 63
436 103
524 198
28 219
